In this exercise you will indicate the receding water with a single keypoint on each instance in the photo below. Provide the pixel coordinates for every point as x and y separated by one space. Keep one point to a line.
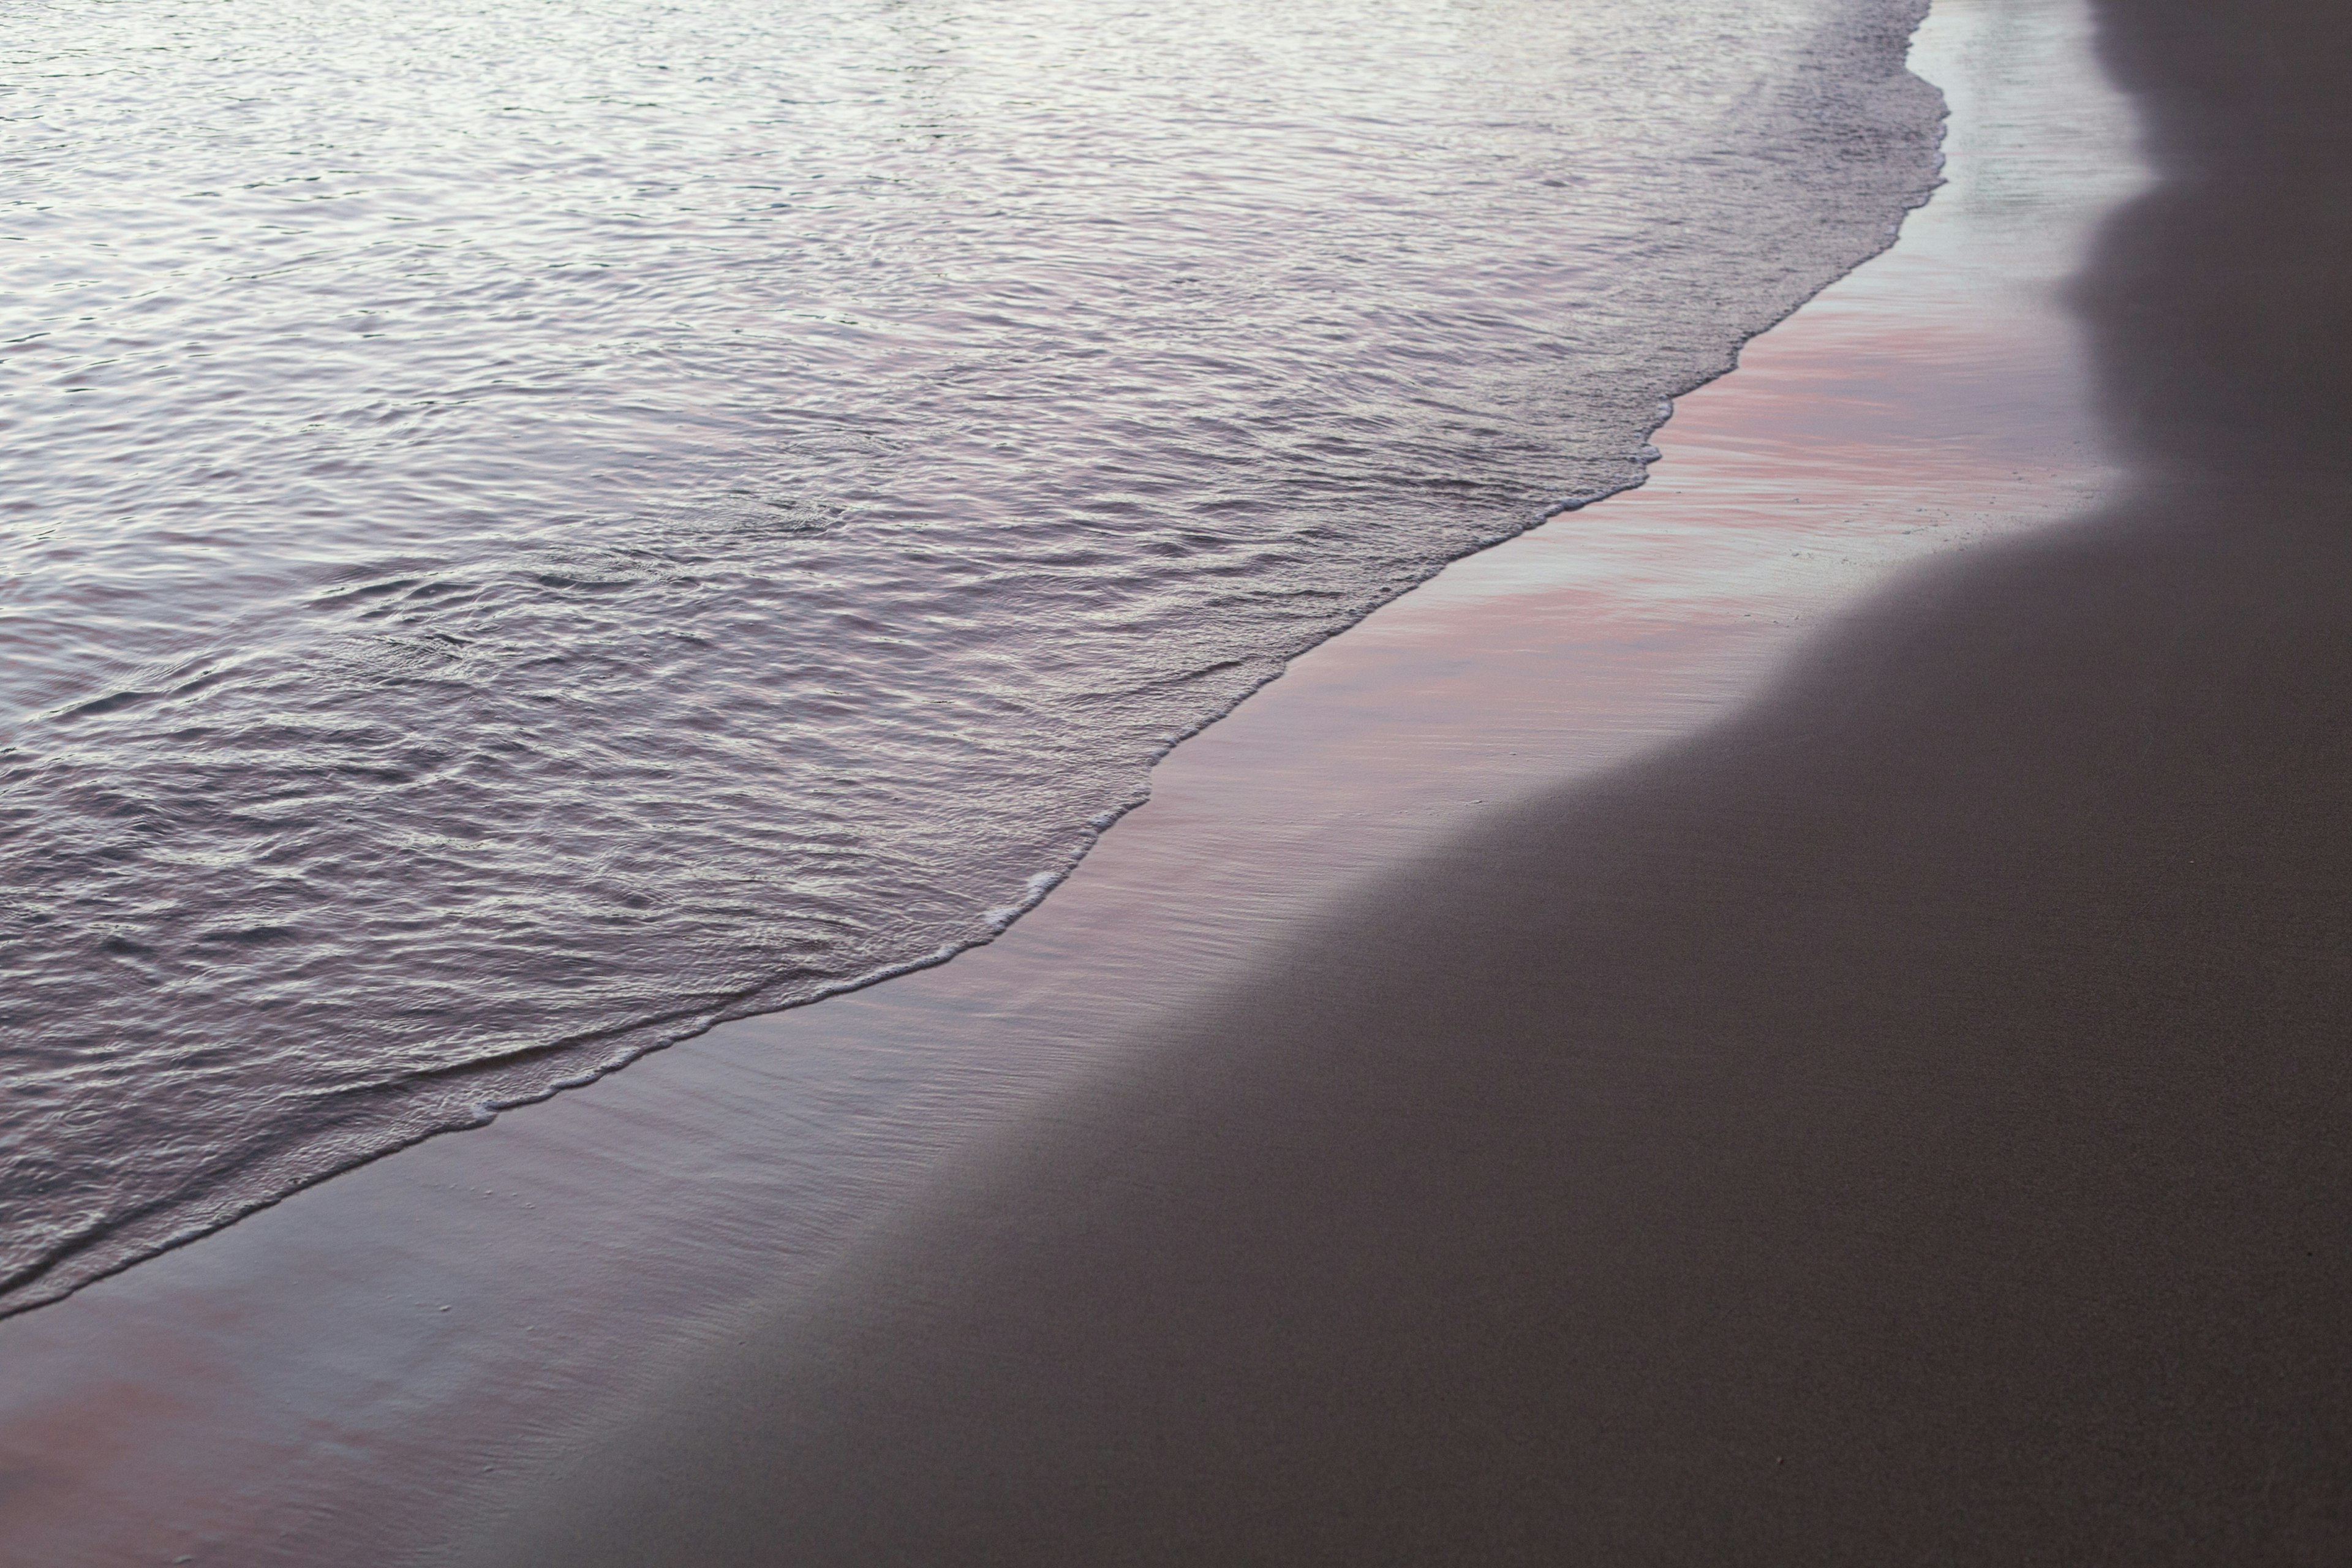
532 527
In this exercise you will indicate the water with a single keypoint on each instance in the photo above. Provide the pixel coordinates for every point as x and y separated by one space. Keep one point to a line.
531 528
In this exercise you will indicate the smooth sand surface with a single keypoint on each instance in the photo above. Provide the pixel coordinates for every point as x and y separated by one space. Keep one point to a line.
1905 1122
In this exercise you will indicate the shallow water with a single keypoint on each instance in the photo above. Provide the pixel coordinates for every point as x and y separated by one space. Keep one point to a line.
531 529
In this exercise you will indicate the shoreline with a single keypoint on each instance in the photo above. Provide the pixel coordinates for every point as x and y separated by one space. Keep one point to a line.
463 1339
1900 1122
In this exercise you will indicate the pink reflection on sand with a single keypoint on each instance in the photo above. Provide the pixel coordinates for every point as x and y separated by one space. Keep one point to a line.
1922 405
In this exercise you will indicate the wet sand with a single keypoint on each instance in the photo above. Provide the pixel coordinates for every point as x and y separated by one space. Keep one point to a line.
1903 1121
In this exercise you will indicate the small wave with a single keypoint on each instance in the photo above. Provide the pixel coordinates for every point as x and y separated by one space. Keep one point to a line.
710 507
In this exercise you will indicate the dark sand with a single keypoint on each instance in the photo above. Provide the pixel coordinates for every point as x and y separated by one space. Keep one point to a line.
1912 1122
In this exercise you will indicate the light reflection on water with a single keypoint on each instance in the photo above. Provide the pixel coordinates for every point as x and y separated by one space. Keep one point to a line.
530 528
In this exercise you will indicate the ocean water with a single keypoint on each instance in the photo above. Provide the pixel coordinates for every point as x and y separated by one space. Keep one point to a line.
531 528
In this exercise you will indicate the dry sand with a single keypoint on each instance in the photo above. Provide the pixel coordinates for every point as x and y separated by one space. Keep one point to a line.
1905 1122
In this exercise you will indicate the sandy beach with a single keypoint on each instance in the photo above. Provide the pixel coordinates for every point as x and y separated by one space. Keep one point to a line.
1901 1123
1789 1016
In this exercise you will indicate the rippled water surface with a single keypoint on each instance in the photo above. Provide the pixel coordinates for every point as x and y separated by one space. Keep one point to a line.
530 527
